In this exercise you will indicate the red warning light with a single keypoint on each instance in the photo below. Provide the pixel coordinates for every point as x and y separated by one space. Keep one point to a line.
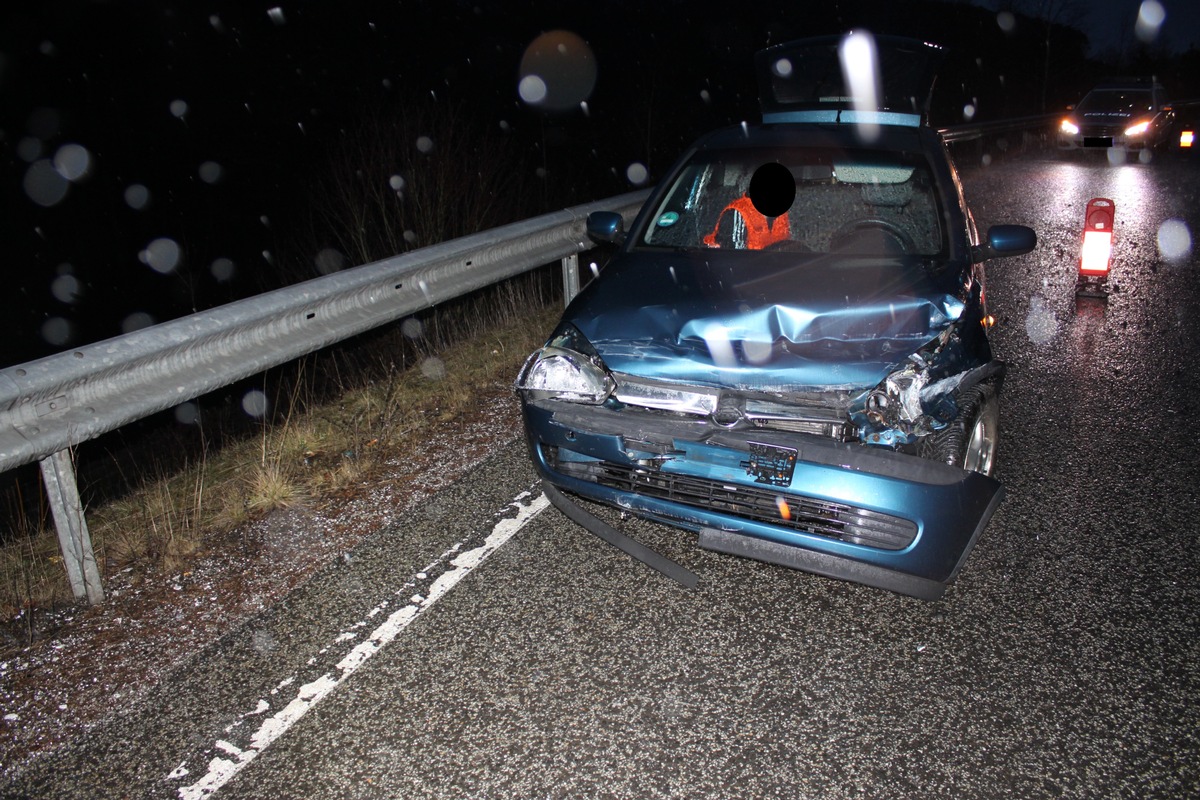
1186 137
1097 238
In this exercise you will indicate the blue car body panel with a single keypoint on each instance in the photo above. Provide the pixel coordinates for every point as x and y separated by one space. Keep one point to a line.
775 386
782 328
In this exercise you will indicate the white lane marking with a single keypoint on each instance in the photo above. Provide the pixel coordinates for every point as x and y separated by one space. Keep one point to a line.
221 770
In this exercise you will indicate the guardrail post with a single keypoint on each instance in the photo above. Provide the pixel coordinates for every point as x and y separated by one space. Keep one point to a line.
570 268
59 476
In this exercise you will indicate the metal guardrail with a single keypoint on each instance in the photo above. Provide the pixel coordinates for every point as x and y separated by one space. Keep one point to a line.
967 133
52 404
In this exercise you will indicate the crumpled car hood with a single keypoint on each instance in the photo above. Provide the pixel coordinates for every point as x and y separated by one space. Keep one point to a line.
762 321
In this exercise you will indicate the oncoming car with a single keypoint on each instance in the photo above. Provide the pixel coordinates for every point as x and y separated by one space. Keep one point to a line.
1130 114
788 353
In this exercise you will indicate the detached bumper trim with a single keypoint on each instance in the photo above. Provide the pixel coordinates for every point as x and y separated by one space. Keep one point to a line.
824 564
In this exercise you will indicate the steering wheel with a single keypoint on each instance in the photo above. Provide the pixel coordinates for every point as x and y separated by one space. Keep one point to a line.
845 237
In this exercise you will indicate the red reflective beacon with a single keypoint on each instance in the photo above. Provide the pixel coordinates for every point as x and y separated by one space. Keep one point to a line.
1097 238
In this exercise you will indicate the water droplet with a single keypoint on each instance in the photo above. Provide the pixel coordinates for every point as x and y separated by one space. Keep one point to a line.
276 15
222 269
136 321
329 261
66 289
161 255
558 71
424 144
29 149
137 196
1174 240
636 173
412 328
433 368
44 185
72 161
211 172
187 413
1151 16
56 331
179 108
254 403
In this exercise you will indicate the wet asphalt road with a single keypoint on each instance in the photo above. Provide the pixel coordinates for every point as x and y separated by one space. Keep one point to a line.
1065 661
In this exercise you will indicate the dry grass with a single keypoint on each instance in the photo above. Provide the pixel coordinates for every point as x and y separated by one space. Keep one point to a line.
307 454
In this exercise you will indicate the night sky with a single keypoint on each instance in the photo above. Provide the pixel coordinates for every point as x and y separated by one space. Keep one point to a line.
158 158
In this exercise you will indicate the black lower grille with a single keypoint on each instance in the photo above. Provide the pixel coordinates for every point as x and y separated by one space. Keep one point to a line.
834 520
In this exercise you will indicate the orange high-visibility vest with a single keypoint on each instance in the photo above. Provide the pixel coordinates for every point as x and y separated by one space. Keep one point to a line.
760 231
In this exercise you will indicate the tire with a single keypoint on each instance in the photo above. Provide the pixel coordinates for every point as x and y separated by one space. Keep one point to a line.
969 442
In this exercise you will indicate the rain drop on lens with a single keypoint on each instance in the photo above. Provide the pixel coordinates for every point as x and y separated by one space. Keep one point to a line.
73 161
66 289
187 413
136 321
329 261
222 269
412 328
1174 240
161 255
254 403
44 184
56 331
532 89
433 368
557 71
211 172
137 197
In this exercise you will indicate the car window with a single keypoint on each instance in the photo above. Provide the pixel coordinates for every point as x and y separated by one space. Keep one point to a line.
1116 101
802 200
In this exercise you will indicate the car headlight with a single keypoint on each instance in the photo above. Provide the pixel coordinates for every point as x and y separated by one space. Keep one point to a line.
1069 127
1138 129
556 373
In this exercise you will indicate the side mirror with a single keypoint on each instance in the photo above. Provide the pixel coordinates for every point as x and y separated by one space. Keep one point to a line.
606 227
1004 241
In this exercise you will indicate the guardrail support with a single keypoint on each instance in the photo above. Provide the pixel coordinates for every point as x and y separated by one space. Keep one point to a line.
58 473
570 268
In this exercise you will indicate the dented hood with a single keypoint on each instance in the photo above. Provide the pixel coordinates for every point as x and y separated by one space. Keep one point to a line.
761 321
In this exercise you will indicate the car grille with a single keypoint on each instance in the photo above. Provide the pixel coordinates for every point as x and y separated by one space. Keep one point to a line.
833 520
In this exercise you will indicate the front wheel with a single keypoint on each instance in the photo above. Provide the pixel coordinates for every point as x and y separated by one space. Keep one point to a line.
969 442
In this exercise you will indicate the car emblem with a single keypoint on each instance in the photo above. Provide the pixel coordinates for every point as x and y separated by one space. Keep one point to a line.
771 464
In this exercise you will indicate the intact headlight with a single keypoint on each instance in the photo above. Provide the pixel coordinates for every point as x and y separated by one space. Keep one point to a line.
559 374
1138 129
1069 127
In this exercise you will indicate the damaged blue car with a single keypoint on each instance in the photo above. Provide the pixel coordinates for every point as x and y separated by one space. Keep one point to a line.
787 354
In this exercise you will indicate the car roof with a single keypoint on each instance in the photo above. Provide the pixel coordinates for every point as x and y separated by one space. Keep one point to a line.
804 80
1127 84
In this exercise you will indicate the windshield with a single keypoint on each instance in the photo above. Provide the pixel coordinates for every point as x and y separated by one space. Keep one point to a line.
1126 102
802 200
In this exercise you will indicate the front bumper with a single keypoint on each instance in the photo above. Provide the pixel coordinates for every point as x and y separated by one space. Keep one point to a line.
847 511
1101 140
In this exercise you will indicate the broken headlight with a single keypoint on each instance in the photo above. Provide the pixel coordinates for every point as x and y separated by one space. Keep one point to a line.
566 369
